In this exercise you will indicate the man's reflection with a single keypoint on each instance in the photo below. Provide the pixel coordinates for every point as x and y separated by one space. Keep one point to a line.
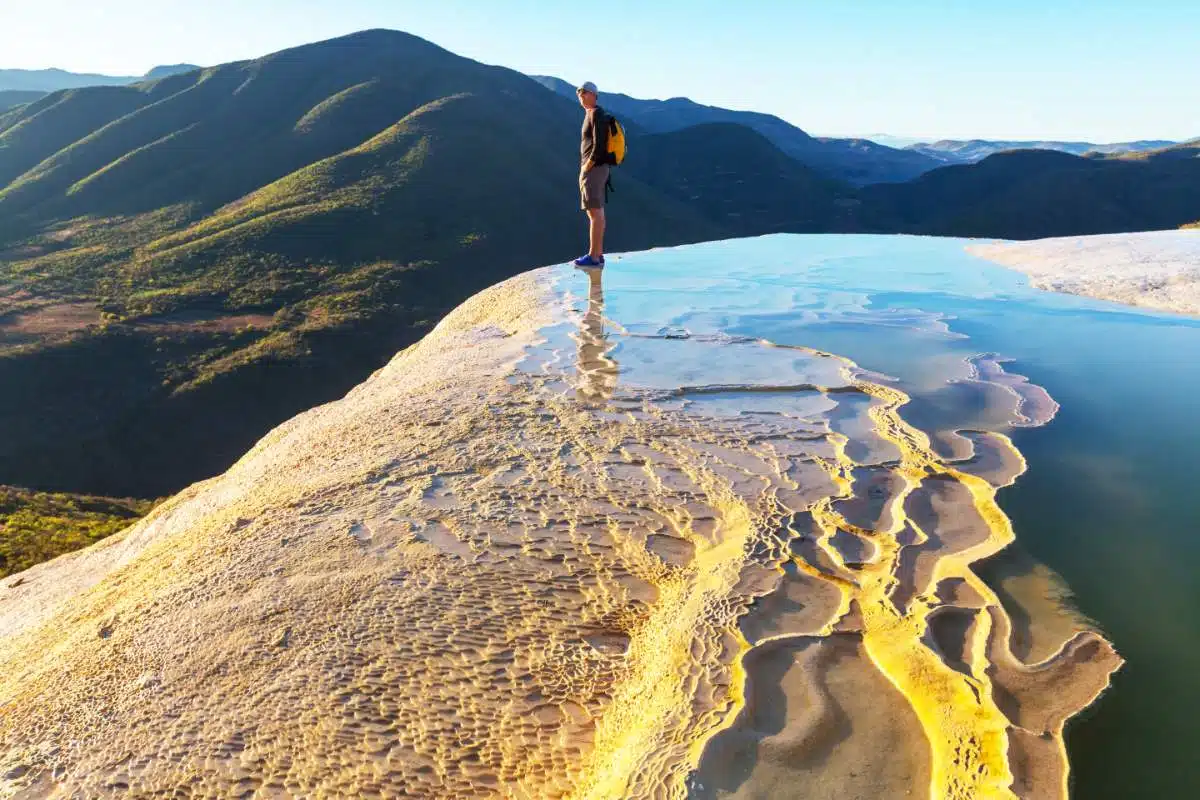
597 371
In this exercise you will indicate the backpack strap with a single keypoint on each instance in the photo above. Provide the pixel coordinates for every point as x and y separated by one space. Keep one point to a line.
608 187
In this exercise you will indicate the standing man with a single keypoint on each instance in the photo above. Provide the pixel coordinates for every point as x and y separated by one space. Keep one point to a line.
593 172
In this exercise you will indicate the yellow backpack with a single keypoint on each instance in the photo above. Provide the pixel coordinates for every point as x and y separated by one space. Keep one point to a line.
616 141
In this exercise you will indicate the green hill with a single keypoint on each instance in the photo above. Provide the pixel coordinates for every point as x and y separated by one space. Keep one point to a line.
36 526
734 174
195 259
1029 194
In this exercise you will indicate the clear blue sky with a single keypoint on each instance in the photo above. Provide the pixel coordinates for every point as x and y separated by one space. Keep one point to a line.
1100 70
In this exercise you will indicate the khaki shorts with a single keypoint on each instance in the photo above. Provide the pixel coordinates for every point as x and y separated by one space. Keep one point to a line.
591 187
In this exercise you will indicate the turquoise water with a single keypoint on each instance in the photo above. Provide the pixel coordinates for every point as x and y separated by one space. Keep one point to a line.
1109 501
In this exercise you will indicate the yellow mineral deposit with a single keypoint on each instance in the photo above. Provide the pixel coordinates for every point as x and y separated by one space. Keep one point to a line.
476 578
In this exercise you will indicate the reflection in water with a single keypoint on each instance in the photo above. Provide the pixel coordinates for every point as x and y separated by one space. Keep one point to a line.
597 369
810 522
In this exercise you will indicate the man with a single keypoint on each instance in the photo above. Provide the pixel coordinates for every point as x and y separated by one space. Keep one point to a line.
593 172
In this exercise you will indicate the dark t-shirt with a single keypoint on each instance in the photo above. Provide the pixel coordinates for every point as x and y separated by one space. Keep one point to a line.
594 145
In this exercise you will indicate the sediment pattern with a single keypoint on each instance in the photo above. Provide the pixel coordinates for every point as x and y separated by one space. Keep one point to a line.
1152 269
540 556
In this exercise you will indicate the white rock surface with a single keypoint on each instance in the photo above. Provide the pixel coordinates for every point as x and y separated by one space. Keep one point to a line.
1156 269
526 559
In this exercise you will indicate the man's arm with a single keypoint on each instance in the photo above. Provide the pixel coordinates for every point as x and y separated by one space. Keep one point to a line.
587 147
599 138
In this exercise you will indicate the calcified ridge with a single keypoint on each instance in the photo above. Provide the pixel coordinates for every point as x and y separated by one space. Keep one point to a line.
1152 269
506 566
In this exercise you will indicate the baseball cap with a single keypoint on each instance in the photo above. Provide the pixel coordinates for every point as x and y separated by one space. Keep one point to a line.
587 86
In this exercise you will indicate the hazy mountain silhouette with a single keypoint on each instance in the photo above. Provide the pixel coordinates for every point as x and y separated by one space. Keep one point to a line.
51 80
951 151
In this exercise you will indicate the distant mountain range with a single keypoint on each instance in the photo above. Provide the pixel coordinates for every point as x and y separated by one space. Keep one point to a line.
856 161
51 80
20 86
238 244
953 151
899 142
878 158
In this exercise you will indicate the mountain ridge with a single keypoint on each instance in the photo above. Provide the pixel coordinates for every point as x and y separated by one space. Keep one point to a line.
1030 194
54 79
857 161
10 98
965 151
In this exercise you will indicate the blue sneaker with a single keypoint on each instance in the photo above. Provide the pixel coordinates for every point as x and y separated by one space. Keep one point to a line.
588 261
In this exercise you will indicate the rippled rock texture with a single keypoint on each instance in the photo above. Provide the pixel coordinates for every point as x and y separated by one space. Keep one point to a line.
569 547
1155 269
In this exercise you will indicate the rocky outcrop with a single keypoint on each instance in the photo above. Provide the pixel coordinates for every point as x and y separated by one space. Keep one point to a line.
508 565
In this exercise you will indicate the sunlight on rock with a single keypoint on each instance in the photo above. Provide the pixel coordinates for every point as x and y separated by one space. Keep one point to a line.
587 539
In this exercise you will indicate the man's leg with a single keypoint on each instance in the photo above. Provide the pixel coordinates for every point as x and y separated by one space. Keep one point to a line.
596 232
